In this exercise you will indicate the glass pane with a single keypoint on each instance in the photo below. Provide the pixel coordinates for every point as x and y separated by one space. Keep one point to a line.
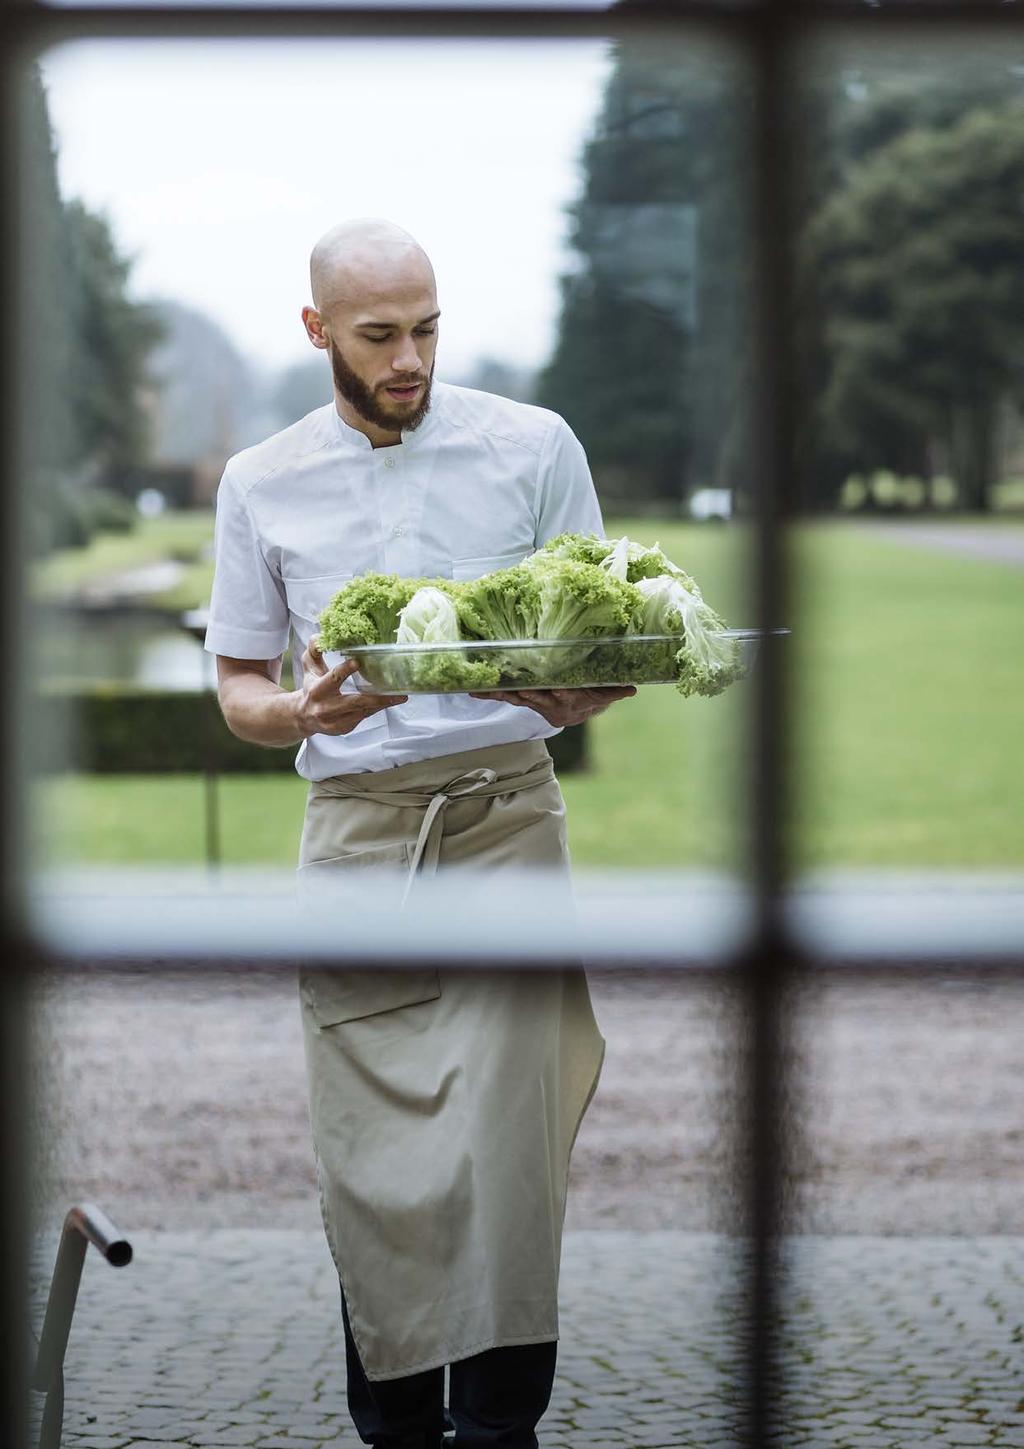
907 706
591 257
903 1267
591 260
909 556
208 1172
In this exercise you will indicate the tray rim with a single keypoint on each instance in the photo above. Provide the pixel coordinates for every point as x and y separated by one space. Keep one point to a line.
353 651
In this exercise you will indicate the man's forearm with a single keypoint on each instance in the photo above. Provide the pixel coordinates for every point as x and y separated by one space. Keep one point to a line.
257 710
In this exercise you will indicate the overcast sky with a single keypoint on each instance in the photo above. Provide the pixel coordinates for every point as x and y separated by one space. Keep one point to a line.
219 163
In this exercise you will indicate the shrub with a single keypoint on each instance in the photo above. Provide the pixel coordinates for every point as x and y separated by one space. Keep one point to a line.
114 731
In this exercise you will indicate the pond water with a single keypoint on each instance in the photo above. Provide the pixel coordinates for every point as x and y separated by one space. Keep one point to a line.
78 649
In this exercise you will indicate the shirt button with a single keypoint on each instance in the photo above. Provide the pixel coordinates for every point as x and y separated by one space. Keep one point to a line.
397 531
389 462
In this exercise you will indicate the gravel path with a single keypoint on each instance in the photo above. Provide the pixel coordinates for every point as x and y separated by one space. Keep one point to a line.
995 544
179 1101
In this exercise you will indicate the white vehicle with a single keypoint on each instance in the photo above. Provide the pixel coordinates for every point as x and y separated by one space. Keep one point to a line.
708 503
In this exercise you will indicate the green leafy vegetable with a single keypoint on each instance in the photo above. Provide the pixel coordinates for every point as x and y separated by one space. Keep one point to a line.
633 562
585 600
706 662
431 617
500 605
366 611
580 547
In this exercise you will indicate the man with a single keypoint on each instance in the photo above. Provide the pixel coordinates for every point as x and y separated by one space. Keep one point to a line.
443 1105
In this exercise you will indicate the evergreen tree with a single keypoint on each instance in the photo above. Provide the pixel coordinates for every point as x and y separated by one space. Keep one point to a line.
83 344
42 327
919 264
112 339
649 357
653 367
853 104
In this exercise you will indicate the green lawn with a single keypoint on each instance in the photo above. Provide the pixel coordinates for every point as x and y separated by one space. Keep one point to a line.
909 709
176 534
144 819
907 730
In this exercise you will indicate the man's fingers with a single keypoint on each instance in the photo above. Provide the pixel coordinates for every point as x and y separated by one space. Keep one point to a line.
312 658
512 697
373 702
569 706
497 694
330 681
340 712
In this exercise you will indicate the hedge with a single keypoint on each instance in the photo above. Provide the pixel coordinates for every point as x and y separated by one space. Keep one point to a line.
117 731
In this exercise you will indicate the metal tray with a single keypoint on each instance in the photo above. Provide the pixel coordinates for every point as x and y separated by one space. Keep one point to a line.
487 666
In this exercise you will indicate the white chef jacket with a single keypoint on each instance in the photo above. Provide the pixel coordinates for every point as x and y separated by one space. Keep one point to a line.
481 483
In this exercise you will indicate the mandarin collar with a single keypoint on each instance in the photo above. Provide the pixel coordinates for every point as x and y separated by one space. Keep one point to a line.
353 438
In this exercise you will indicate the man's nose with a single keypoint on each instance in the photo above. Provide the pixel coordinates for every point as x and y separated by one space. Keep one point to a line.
406 359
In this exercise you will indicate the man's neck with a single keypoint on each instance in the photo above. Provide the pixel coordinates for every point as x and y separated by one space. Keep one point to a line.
379 437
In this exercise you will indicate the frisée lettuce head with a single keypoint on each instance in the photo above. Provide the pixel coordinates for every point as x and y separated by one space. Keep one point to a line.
585 600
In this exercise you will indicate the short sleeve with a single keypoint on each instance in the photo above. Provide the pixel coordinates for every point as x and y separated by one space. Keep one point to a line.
248 609
566 498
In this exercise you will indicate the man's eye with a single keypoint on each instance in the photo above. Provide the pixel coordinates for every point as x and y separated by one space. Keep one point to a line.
426 331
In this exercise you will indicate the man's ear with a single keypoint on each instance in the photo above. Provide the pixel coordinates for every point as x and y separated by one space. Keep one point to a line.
316 330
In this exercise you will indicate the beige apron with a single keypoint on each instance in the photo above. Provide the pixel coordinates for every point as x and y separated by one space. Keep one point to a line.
444 1104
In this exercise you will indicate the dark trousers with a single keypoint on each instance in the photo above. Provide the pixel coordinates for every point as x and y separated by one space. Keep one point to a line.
495 1399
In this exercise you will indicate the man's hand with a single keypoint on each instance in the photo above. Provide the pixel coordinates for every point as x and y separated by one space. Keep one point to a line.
321 708
564 706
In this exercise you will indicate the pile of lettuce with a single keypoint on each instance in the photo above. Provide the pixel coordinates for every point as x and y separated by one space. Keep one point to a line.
588 601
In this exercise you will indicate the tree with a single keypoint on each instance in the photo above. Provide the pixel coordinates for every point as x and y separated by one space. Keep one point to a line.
651 340
918 262
300 388
44 261
83 342
112 339
851 103
491 374
207 401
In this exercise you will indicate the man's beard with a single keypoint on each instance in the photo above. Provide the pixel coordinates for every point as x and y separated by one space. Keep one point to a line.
368 405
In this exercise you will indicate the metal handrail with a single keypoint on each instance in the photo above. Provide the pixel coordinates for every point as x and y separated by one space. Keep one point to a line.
84 1224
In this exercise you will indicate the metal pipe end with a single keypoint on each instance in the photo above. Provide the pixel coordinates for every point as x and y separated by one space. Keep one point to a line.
119 1254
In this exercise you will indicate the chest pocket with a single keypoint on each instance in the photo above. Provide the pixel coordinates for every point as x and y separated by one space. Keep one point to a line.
473 568
309 597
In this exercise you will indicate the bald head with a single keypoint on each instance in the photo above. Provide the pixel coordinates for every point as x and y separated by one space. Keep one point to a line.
365 260
375 312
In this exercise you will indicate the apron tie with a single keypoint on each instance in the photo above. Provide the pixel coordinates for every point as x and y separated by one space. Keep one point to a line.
482 782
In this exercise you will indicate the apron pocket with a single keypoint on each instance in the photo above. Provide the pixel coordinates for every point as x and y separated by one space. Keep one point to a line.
336 996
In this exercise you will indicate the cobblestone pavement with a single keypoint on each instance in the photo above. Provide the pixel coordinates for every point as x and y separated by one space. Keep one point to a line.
223 1337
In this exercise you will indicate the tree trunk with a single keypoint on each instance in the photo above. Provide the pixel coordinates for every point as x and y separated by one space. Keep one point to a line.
974 453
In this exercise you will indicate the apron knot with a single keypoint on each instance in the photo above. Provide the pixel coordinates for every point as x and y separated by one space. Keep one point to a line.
427 851
482 780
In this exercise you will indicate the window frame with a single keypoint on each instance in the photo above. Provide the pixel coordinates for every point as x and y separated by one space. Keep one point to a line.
768 33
